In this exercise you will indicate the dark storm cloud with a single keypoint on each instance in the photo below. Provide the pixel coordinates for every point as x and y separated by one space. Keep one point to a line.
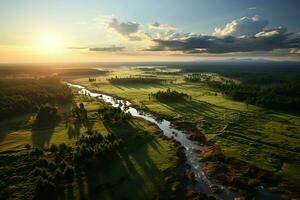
267 40
107 49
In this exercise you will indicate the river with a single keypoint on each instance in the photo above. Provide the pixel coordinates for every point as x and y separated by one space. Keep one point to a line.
203 183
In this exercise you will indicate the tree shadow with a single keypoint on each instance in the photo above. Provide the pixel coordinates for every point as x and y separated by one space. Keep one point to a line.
132 135
70 192
190 107
42 133
125 177
89 124
10 125
138 86
74 129
131 174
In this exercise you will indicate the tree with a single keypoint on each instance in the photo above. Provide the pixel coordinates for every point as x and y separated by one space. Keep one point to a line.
53 148
45 189
69 173
62 148
46 113
83 112
28 146
80 113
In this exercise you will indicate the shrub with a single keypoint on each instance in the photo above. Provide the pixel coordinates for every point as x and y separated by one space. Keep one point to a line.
51 166
53 148
96 148
69 173
46 113
42 162
169 95
45 189
37 171
62 148
37 151
176 186
113 114
58 175
62 165
44 173
28 146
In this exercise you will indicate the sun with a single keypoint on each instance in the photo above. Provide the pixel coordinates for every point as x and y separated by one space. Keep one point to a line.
50 44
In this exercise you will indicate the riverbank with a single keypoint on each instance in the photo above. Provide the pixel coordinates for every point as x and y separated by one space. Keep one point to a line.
244 178
214 170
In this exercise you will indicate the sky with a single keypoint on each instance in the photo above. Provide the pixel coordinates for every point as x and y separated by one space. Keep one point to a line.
148 30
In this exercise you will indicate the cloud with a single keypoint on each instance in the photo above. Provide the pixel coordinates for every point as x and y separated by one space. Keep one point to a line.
165 32
107 49
246 34
129 30
255 8
245 26
158 26
295 51
266 40
271 32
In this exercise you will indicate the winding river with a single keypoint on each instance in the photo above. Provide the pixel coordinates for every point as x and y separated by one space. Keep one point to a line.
203 183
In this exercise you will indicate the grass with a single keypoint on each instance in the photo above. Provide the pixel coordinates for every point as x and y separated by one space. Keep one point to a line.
16 182
16 132
145 162
143 165
265 138
291 172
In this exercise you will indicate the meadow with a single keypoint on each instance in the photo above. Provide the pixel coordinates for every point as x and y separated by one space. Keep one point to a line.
147 160
268 139
257 136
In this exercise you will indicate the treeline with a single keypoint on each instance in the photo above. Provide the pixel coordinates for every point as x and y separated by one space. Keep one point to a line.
138 80
198 77
46 114
113 115
283 96
271 84
20 96
96 148
92 79
165 72
250 73
81 72
61 164
170 95
80 113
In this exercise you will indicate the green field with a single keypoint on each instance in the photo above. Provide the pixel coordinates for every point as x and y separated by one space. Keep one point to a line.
265 138
144 163
261 137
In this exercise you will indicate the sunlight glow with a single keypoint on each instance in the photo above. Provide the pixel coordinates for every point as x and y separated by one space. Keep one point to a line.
50 44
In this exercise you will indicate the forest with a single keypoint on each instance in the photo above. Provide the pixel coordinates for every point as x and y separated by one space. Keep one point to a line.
92 148
170 95
137 80
21 96
283 97
81 72
273 85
